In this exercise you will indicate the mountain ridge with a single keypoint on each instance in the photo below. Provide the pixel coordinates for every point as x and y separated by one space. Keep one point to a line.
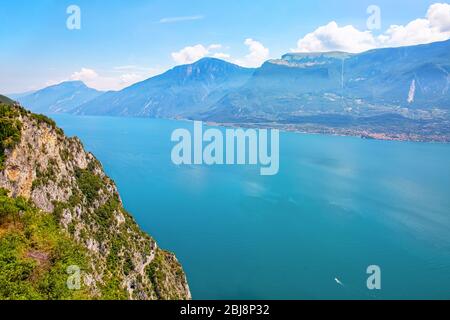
181 90
408 87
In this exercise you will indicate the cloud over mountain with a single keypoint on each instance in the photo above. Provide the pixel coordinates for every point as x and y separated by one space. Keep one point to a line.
118 79
257 55
192 54
332 37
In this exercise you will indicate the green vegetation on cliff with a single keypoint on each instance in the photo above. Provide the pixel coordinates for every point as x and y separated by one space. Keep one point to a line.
58 209
6 100
9 130
35 253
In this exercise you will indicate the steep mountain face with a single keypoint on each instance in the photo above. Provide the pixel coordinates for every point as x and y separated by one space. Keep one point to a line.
59 98
411 77
184 90
60 212
372 83
285 87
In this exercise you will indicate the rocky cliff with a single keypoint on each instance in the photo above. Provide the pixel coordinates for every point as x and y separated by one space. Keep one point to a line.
48 179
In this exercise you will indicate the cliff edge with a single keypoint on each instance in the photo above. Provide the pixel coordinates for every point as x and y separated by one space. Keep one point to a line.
61 218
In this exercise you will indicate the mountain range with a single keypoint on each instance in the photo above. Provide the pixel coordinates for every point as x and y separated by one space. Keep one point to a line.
372 83
181 91
396 91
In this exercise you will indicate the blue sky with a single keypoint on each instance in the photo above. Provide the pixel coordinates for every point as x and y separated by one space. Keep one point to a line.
121 42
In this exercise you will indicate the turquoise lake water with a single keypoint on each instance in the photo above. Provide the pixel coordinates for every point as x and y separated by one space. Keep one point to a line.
338 205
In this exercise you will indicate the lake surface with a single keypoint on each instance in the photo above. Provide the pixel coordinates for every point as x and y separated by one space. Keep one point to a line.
338 205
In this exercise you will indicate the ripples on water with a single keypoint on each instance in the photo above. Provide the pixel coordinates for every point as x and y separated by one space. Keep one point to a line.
337 206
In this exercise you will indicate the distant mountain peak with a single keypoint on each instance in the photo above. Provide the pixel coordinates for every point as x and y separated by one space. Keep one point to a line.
204 70
209 62
71 83
61 97
184 89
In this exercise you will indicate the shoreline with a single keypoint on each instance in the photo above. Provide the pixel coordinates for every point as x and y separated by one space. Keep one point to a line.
292 128
364 135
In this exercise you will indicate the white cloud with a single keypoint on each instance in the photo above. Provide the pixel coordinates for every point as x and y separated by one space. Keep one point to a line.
93 80
439 16
434 27
331 37
416 32
215 47
84 74
257 56
121 77
181 19
221 55
258 53
192 54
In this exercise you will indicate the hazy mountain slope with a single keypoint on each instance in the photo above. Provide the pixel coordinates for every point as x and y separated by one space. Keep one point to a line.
59 98
367 84
180 91
387 76
17 96
58 209
283 87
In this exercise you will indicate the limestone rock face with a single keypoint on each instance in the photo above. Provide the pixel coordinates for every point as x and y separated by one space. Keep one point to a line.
56 174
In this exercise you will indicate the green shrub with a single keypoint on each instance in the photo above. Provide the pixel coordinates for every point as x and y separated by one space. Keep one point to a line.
89 184
22 277
40 118
10 135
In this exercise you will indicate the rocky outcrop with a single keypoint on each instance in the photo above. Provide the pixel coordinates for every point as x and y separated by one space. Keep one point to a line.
59 177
